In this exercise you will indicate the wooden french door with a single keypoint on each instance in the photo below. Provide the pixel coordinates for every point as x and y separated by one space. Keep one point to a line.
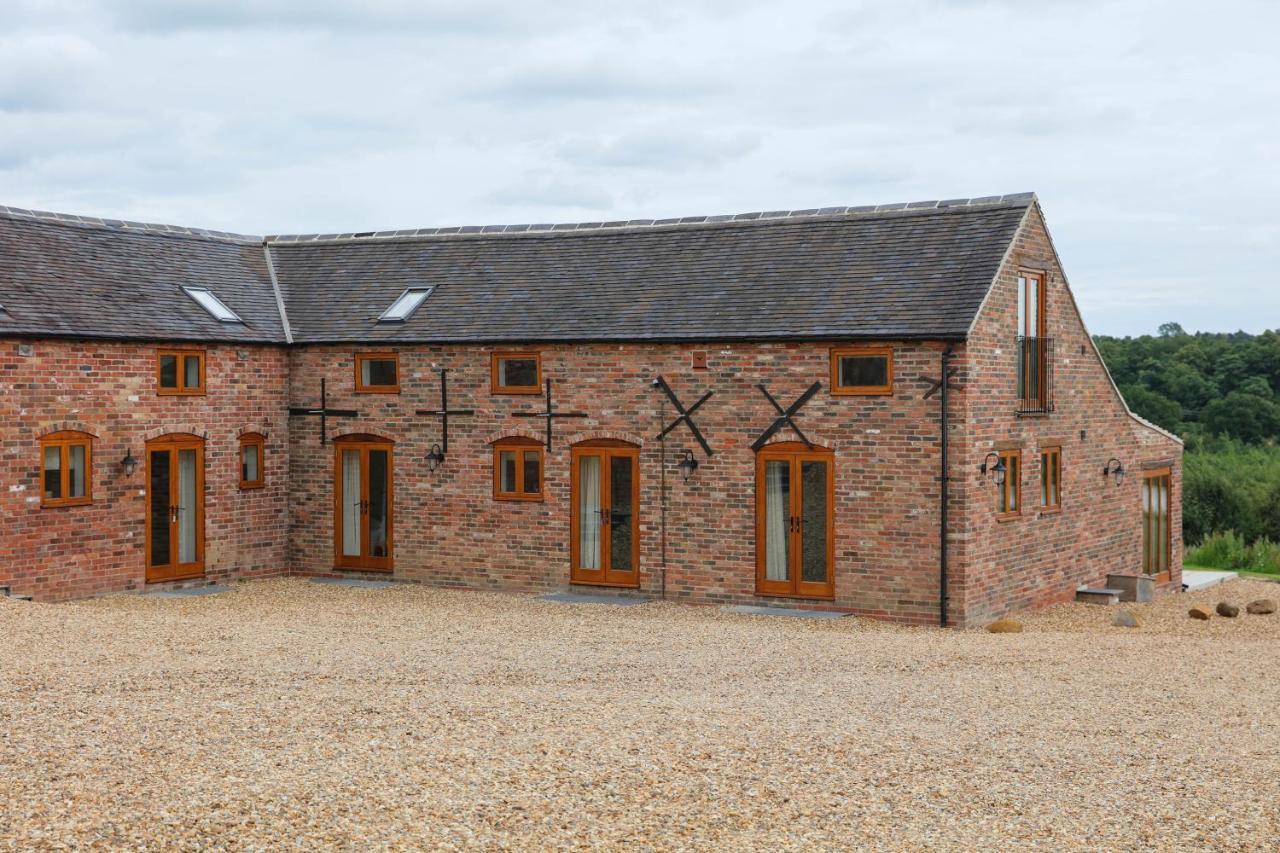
175 508
795 491
1157 540
604 517
362 503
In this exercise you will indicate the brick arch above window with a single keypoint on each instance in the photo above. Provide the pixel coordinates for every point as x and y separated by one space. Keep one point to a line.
68 426
258 429
791 445
605 435
516 432
176 429
362 436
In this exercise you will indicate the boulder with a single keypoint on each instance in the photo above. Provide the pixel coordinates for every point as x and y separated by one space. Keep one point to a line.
1262 607
1005 626
1198 613
1124 619
1228 610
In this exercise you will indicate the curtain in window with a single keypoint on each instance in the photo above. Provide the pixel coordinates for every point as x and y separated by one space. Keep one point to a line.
777 511
351 503
589 512
186 506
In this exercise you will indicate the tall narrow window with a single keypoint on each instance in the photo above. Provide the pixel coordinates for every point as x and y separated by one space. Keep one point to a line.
1050 478
1032 342
516 373
180 372
66 469
251 460
517 469
1157 540
378 373
862 370
1010 504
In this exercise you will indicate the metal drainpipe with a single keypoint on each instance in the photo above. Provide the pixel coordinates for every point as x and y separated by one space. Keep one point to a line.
944 485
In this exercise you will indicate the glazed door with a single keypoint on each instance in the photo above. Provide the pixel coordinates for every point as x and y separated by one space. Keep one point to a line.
1157 539
604 522
175 509
363 506
794 516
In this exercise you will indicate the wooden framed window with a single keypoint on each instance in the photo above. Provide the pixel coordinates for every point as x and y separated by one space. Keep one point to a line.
1157 539
1010 503
517 469
1033 346
865 370
180 372
377 373
516 373
66 469
1050 479
252 457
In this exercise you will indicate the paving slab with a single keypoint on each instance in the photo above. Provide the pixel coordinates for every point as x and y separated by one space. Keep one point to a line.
585 598
761 610
190 592
355 582
1194 579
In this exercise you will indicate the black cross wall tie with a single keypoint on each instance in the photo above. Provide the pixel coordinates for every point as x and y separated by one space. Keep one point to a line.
935 385
444 411
324 412
786 416
549 414
685 415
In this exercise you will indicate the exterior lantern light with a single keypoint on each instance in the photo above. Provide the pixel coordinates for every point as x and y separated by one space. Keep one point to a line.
688 465
129 463
434 457
1114 468
997 470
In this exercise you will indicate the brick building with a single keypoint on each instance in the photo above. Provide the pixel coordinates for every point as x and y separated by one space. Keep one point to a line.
743 409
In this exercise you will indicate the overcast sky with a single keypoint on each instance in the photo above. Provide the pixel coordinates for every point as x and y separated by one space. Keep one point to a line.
1151 130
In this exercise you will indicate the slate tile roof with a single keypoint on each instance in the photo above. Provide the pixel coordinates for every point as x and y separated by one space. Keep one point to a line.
900 270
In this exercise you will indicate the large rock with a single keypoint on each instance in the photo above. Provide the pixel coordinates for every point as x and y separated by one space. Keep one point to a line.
1228 610
1262 607
1198 613
1005 626
1124 619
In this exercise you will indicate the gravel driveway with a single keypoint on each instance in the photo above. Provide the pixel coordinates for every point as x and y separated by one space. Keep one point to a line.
291 714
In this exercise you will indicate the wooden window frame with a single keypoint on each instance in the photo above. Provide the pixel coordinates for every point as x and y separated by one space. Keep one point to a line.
839 390
1033 362
64 440
1012 485
522 447
496 388
361 358
1149 478
1051 471
181 355
258 440
797 453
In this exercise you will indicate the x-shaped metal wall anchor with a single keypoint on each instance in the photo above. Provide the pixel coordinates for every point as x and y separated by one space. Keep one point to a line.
685 415
786 416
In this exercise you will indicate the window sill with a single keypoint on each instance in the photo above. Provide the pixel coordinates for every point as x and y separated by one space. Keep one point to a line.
169 392
1009 516
390 389
870 391
527 499
59 503
531 389
1051 510
249 487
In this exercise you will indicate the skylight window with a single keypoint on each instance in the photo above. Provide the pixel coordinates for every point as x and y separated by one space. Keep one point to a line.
404 306
204 297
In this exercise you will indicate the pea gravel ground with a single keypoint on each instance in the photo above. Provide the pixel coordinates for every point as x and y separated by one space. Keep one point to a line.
286 714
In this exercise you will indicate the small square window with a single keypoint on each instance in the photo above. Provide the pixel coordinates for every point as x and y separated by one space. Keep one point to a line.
251 460
404 306
66 469
863 370
517 470
180 372
516 373
378 373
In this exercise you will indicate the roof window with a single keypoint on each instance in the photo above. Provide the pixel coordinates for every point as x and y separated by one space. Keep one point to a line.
204 297
404 306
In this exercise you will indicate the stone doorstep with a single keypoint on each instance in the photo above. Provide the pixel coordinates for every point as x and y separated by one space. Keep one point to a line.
1098 595
190 592
585 598
358 583
766 610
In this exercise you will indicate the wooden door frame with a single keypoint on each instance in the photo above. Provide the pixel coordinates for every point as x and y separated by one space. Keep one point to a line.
796 453
363 443
1147 477
175 442
605 448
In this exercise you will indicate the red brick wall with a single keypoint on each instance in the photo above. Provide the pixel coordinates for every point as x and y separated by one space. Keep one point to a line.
1041 558
449 529
109 390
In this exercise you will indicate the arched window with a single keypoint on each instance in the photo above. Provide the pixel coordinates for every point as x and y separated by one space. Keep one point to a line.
517 469
252 460
66 469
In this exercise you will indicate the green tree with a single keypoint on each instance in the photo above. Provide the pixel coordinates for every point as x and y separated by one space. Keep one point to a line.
1244 416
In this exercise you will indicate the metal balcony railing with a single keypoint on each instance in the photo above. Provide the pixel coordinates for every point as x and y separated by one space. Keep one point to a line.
1035 376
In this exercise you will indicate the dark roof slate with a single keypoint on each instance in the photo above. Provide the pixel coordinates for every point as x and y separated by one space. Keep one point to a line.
899 270
74 277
